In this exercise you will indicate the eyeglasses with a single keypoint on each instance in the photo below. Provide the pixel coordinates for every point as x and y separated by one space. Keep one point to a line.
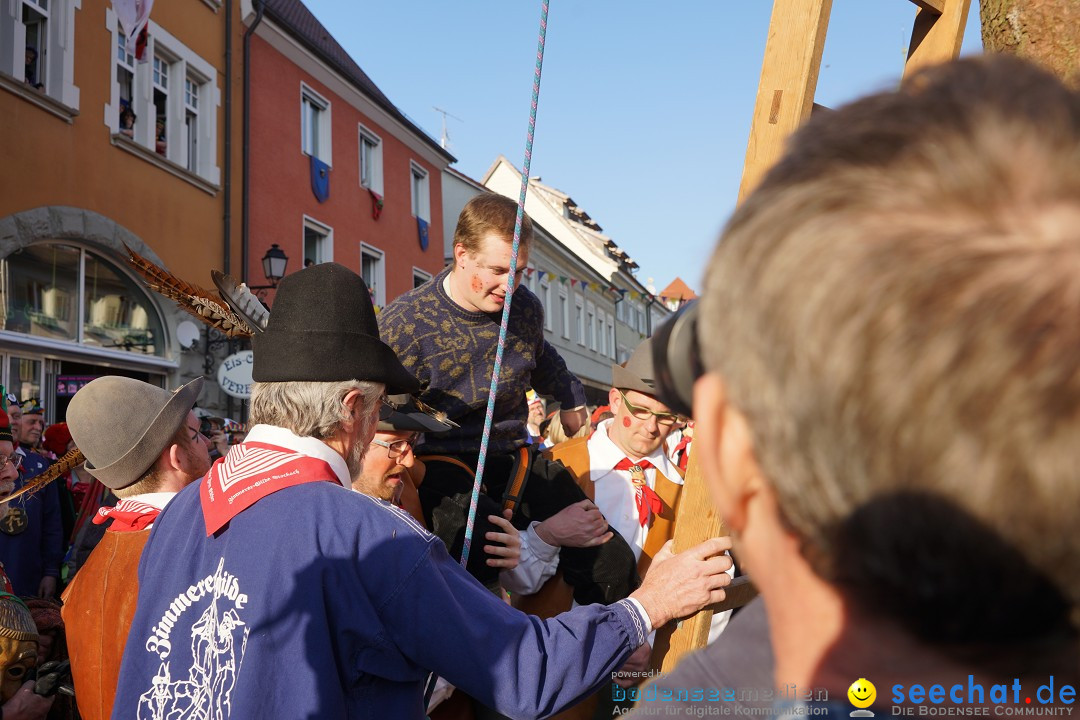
662 418
397 448
15 459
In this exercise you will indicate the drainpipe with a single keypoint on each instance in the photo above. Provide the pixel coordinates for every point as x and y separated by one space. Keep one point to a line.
260 6
228 135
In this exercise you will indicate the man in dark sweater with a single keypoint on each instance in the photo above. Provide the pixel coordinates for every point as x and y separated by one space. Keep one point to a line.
446 333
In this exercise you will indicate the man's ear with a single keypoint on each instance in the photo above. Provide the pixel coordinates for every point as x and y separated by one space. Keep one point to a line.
353 406
170 457
611 395
725 449
459 254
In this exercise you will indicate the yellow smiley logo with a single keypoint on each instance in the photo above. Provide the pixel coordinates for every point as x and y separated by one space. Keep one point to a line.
862 693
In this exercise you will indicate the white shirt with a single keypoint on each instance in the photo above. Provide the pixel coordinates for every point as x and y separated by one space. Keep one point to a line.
312 447
615 490
153 499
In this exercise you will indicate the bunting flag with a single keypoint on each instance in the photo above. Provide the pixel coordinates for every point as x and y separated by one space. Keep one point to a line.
593 285
422 228
140 45
320 179
133 16
376 204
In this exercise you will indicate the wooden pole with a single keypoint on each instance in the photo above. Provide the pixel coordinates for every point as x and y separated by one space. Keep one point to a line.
937 34
789 75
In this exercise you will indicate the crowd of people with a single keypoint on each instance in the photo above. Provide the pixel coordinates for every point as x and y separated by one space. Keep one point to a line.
885 403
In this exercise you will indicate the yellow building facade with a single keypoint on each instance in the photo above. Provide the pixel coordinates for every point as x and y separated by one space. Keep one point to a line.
100 149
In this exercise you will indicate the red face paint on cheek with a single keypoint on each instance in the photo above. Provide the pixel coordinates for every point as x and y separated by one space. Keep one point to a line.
475 284
626 422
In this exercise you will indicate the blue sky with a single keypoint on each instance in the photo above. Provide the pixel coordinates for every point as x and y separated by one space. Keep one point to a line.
644 108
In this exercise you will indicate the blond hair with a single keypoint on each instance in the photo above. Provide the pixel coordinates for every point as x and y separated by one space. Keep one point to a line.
894 310
490 213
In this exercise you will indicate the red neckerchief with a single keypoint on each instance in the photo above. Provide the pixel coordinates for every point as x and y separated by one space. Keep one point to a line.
681 453
250 472
127 516
647 501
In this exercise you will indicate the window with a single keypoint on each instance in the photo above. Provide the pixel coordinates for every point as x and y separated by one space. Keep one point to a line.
373 270
641 320
66 293
125 79
419 277
314 124
579 316
370 160
564 310
38 41
622 356
167 105
611 338
318 242
590 318
161 104
620 310
420 200
601 335
545 298
191 122
35 18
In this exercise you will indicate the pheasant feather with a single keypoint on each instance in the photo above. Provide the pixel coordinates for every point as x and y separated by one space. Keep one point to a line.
72 458
195 300
241 301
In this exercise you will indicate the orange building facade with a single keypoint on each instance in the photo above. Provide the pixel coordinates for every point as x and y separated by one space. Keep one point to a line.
101 149
315 112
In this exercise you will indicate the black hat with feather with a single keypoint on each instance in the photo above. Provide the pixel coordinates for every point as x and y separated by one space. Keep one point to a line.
323 329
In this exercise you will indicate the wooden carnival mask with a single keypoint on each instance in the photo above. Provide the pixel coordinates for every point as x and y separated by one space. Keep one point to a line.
18 645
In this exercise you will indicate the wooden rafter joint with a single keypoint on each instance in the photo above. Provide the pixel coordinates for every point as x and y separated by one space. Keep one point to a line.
934 6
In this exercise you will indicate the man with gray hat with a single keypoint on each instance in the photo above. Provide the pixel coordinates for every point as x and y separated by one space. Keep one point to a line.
622 467
271 589
151 450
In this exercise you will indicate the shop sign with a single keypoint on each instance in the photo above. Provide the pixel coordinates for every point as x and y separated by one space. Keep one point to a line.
234 374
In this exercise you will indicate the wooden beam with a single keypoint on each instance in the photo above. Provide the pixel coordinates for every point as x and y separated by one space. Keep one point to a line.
695 521
934 6
789 75
937 35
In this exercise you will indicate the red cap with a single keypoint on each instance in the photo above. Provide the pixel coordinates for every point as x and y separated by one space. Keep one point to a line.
56 438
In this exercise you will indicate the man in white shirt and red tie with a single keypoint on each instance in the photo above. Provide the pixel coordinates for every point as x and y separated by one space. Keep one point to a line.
624 468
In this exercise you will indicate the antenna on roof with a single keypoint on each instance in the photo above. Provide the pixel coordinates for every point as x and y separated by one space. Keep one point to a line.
445 137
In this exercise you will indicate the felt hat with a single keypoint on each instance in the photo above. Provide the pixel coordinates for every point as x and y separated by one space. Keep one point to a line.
122 425
637 373
402 412
323 329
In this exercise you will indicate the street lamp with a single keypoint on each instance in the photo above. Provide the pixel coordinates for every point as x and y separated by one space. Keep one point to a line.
274 263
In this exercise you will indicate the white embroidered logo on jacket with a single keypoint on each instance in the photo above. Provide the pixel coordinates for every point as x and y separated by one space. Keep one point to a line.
218 642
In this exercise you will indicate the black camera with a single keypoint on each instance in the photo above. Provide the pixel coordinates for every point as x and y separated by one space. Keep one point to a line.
677 359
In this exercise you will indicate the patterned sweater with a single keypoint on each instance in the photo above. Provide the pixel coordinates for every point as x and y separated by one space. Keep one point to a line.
451 351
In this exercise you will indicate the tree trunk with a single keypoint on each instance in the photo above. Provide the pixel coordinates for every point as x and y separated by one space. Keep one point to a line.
1044 31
